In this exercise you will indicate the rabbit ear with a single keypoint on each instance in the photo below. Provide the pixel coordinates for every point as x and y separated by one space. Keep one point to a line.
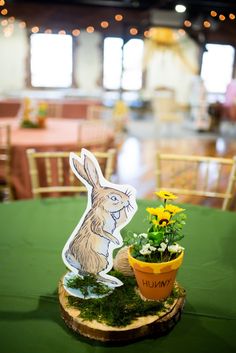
91 171
79 167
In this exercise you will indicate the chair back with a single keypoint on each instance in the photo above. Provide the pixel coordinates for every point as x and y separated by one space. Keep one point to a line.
197 176
98 112
51 174
94 135
165 107
5 158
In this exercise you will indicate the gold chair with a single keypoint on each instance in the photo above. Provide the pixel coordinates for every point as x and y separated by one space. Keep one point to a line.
94 135
165 107
115 117
99 112
197 176
51 174
5 157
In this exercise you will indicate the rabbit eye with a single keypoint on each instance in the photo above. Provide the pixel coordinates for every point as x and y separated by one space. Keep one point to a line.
114 198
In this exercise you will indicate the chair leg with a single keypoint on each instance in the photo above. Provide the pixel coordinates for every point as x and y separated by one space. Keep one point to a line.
6 193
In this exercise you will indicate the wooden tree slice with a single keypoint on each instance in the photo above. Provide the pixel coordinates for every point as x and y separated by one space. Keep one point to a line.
152 325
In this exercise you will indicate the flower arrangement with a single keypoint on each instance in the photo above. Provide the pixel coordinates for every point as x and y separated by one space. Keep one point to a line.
159 244
33 115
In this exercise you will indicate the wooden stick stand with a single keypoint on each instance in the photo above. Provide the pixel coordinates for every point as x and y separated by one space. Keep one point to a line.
151 325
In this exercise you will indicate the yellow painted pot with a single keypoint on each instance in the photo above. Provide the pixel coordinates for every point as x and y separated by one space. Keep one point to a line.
155 280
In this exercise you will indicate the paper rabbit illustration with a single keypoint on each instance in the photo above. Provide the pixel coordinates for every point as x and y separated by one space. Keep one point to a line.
110 207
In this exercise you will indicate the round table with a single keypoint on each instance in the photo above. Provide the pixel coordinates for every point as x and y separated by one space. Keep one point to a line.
59 135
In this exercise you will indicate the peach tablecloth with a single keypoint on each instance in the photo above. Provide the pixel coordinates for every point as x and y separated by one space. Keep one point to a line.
59 135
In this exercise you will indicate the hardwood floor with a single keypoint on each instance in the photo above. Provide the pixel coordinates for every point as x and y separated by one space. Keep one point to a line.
136 157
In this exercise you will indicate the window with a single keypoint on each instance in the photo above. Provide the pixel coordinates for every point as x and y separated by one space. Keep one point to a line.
112 63
131 77
51 60
217 67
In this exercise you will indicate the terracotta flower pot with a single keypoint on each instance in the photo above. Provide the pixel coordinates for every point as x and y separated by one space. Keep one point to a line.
155 280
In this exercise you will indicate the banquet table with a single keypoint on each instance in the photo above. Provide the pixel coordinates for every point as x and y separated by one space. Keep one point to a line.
59 135
33 233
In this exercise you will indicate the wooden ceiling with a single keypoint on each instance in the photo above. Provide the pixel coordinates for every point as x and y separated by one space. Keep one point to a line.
70 14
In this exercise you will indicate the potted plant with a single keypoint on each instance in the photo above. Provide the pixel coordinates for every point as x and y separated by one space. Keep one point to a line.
155 256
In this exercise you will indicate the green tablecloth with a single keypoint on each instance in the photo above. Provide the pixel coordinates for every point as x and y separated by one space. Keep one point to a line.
33 234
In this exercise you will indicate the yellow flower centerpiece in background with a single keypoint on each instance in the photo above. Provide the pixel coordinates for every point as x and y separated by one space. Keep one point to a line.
33 115
157 251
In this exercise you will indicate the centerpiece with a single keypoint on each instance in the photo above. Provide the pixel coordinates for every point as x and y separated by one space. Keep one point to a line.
156 256
101 302
33 115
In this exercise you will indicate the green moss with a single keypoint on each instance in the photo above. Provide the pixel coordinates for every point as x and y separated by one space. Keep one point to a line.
121 307
88 285
29 124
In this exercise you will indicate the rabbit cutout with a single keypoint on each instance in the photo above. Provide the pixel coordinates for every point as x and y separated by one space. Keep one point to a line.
109 208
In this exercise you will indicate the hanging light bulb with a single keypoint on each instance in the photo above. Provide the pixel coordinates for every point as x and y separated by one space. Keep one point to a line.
119 17
213 13
35 29
187 23
90 29
76 32
133 31
206 24
104 24
180 8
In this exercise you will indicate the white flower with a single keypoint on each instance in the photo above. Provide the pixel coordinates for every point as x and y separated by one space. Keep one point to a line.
162 247
175 248
147 249
181 248
135 235
144 235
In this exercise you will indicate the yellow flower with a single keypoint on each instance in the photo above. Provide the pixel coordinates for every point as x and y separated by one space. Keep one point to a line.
163 194
173 209
164 219
151 210
154 211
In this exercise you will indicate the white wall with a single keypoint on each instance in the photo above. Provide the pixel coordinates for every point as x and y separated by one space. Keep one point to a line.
164 68
88 73
13 53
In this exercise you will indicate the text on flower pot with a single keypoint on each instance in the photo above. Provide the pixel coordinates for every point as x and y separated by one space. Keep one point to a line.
155 284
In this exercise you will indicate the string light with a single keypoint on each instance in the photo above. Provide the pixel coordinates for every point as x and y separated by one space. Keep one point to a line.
90 29
4 12
48 31
213 13
119 17
187 23
4 23
22 24
35 29
133 31
206 24
104 24
62 32
11 19
221 17
76 32
181 32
